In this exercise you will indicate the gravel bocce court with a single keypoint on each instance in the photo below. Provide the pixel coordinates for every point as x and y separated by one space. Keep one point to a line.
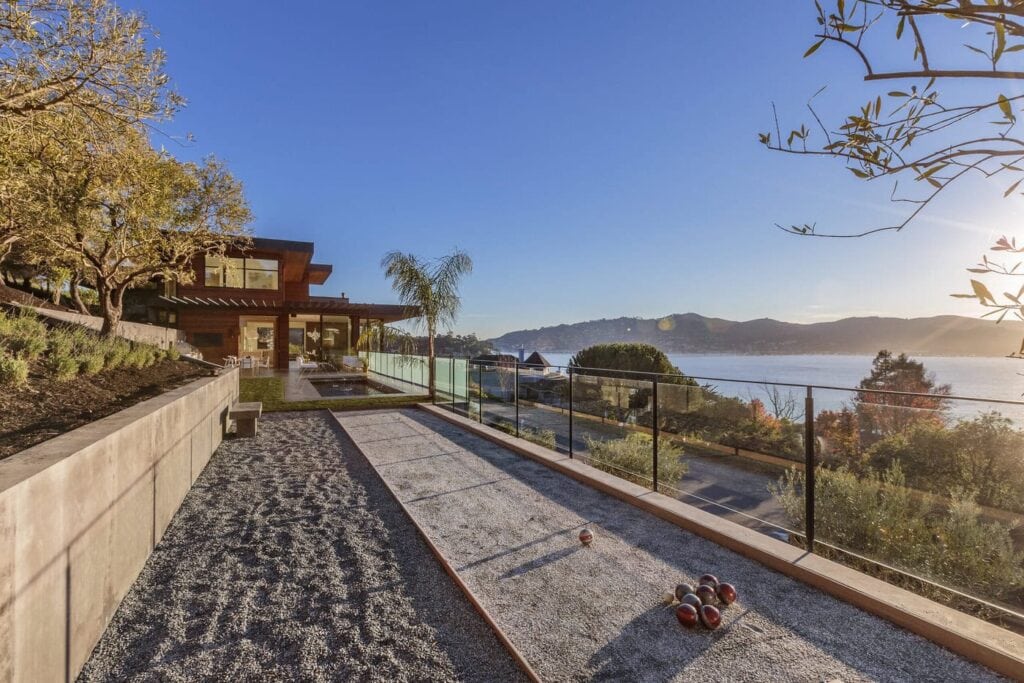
289 560
510 527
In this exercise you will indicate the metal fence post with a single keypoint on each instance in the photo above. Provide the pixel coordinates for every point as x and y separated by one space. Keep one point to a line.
480 392
809 468
451 387
654 429
569 369
515 396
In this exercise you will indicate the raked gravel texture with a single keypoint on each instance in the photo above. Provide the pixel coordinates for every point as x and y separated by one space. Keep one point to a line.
509 526
289 560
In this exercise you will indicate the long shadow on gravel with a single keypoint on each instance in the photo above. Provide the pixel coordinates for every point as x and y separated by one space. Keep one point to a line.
289 560
875 648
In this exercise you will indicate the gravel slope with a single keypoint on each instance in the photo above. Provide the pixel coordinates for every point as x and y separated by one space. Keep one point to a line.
289 560
509 525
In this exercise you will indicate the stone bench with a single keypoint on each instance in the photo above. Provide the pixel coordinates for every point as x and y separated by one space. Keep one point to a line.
246 417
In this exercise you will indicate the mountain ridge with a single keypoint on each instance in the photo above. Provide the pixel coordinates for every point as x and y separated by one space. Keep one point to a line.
942 335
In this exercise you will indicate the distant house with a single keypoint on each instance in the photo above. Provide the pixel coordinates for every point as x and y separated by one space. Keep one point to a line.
537 360
499 359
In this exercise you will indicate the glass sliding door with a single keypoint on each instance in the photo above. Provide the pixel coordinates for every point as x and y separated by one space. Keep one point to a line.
256 340
336 337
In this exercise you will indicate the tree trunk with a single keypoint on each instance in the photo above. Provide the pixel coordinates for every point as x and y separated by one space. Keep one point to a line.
431 362
110 307
76 296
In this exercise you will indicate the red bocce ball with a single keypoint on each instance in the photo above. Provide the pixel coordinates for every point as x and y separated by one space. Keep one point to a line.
710 617
727 593
682 589
687 615
691 600
709 580
586 537
706 594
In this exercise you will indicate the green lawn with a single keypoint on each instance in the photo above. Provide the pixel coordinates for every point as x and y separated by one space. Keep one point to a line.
270 391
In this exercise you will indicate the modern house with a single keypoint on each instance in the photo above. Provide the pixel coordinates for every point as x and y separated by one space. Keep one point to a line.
256 303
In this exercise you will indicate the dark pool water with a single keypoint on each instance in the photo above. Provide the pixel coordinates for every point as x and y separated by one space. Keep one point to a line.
350 387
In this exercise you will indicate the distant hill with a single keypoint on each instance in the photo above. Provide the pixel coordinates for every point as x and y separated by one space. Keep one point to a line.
944 335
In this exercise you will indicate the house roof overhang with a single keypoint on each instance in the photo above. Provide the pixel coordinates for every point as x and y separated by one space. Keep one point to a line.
319 272
322 305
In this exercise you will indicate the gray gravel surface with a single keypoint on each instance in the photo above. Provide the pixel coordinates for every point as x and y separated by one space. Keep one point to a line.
289 560
510 525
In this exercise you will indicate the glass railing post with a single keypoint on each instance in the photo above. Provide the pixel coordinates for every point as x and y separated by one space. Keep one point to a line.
654 429
809 468
570 411
516 397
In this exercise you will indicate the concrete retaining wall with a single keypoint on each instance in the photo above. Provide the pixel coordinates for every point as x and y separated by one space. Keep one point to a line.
80 514
163 337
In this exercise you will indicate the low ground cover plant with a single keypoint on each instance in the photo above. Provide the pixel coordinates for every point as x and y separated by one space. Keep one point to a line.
65 351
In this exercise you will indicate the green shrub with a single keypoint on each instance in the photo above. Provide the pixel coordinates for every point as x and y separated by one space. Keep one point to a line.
172 353
62 344
28 348
115 354
23 334
13 371
981 455
632 458
138 357
64 368
92 363
541 437
878 516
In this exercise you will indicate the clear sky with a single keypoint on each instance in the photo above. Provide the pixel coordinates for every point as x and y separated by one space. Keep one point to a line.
596 159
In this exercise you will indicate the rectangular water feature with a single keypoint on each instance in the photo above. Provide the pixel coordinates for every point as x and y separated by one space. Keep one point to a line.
340 388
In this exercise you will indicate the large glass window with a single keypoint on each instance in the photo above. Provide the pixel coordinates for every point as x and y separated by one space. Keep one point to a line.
260 273
239 273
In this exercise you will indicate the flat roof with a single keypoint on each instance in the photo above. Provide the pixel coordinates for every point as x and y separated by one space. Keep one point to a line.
323 304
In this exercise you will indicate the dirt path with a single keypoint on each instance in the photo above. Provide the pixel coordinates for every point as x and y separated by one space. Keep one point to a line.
289 560
509 526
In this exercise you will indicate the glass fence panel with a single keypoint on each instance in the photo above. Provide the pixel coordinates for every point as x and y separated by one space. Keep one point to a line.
612 426
544 406
460 389
443 381
930 486
497 386
733 441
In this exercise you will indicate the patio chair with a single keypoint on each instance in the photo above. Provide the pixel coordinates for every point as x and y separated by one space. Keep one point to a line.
305 367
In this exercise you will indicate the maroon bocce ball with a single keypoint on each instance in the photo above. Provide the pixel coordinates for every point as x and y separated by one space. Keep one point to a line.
682 589
706 594
586 537
709 580
710 617
692 600
727 593
687 615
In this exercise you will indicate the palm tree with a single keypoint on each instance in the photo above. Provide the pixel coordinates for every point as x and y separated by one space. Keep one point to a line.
432 287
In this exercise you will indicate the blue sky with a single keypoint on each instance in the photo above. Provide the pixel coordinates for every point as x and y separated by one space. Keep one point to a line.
596 159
